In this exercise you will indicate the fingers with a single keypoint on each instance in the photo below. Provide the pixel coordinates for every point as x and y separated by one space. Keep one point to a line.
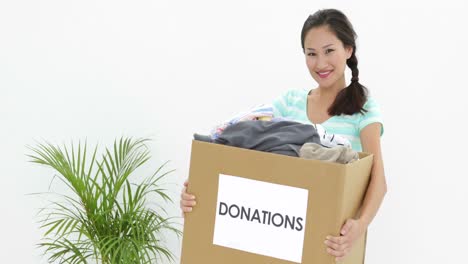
186 196
337 246
187 201
337 253
187 205
186 209
347 226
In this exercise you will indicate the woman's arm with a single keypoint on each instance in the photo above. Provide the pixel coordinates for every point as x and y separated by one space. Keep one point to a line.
370 140
354 228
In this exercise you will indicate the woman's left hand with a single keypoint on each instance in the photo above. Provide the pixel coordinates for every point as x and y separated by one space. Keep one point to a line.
340 246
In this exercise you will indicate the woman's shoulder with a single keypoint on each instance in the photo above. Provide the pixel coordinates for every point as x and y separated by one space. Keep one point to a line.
373 114
371 104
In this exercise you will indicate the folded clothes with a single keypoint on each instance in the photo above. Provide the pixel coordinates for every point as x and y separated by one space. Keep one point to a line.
281 137
262 112
339 154
331 140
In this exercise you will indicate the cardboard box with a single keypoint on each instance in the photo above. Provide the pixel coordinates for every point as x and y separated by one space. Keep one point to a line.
331 193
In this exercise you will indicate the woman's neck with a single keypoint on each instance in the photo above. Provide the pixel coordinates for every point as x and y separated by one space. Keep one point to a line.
329 93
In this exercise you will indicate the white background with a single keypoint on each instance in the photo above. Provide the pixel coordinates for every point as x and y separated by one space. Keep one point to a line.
72 70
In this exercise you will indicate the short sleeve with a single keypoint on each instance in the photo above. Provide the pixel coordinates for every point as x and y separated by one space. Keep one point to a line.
280 105
373 115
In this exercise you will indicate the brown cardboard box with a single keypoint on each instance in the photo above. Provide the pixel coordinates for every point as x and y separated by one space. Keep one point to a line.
335 193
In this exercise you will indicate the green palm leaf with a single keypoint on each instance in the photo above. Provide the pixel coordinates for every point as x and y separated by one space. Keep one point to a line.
106 219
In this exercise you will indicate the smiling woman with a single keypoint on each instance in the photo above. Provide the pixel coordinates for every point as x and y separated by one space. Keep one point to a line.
329 44
328 40
323 61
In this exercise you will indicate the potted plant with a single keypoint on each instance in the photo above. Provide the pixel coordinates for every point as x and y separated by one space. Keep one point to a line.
107 218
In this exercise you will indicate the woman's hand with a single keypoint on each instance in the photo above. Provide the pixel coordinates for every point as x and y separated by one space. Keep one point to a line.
187 201
341 246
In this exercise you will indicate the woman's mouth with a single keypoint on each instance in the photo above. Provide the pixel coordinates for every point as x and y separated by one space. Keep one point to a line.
324 74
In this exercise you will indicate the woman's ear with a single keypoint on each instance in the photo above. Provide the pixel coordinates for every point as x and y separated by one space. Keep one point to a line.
349 52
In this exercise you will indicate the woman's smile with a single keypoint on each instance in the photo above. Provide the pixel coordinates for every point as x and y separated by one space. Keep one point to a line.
324 74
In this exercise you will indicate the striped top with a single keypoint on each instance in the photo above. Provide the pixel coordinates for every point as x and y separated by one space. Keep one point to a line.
293 105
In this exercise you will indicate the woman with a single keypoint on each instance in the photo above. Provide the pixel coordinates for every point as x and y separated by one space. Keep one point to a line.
328 42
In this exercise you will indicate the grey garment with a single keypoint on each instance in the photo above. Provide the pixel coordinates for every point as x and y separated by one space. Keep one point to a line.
202 138
280 137
338 154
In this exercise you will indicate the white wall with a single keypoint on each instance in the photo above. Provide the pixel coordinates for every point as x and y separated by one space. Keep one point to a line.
166 69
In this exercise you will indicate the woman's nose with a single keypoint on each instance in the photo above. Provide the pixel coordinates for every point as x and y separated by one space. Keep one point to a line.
321 63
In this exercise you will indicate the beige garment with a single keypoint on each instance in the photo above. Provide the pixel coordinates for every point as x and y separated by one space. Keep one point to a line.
339 154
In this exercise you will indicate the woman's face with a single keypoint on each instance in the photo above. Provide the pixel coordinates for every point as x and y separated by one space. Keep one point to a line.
325 56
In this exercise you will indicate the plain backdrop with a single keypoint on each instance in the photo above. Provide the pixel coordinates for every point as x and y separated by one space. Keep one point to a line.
98 70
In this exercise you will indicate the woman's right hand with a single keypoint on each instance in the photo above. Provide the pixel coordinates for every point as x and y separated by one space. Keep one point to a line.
187 200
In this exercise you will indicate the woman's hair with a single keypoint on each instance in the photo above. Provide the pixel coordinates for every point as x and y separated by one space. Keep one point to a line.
351 99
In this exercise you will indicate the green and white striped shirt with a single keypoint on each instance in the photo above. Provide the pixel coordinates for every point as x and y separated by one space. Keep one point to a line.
293 105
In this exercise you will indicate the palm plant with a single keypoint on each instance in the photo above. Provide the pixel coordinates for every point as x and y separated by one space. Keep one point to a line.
107 218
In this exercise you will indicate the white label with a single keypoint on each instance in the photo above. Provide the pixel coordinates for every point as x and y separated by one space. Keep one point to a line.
260 217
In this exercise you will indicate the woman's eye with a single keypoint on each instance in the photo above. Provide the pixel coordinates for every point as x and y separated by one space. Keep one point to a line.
311 54
328 51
